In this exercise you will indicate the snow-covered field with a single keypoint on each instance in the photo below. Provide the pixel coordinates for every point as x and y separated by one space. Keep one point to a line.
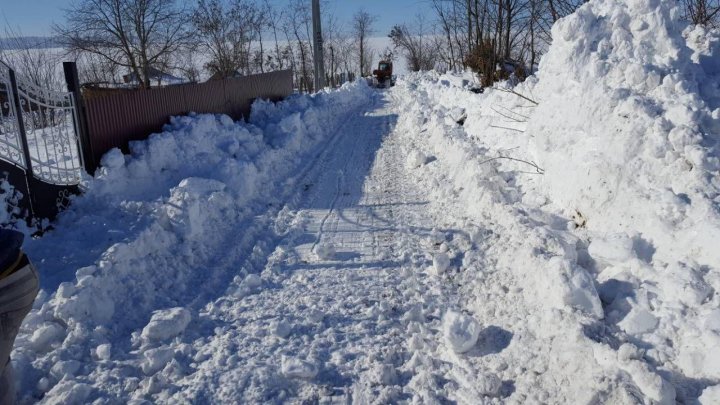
422 244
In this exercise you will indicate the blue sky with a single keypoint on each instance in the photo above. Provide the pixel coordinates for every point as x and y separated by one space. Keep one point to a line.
35 17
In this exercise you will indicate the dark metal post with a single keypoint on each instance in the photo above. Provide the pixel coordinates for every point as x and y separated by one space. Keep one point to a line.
73 85
23 137
20 122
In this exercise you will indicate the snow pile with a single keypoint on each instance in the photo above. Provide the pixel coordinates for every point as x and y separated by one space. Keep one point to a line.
535 254
473 176
627 131
149 237
612 178
630 108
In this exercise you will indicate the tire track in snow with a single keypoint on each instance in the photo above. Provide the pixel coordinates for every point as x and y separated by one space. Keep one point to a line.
362 326
287 287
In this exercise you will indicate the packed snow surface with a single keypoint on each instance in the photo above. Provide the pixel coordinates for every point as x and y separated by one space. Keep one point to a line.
422 244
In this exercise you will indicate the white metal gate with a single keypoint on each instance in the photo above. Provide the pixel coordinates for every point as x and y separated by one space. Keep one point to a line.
40 149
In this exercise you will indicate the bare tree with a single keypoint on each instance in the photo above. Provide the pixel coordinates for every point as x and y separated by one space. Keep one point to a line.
38 64
274 17
260 23
297 29
188 64
226 31
135 34
336 45
418 49
362 29
704 12
561 8
96 70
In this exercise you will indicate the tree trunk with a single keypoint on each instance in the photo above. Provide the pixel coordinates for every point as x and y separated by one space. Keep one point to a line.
553 10
262 51
508 24
362 56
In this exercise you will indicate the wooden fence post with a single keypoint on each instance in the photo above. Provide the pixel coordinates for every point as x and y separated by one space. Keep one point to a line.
86 147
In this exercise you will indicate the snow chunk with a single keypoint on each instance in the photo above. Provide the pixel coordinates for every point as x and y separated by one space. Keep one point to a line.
65 290
166 324
416 159
562 284
457 115
685 285
44 336
414 314
295 368
712 320
325 251
113 160
710 395
627 352
281 328
576 287
249 285
156 359
614 249
103 351
252 281
460 331
441 262
652 385
488 384
68 392
315 316
700 358
85 271
383 374
638 320
184 212
65 368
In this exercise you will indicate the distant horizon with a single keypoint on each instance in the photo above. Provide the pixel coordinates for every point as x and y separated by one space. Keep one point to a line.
37 20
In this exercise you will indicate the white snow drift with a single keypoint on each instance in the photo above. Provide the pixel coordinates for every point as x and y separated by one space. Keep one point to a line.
570 232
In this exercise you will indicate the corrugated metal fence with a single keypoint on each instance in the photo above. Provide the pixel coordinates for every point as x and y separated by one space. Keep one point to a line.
115 117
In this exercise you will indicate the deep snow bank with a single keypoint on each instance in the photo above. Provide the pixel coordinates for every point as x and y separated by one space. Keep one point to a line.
531 251
188 205
630 107
626 131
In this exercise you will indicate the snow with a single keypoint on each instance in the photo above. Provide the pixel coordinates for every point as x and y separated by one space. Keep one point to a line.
296 368
710 395
166 324
325 251
460 331
281 328
615 248
441 263
419 244
104 351
416 159
45 335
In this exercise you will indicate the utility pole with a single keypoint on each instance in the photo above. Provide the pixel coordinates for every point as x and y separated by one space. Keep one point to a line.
318 45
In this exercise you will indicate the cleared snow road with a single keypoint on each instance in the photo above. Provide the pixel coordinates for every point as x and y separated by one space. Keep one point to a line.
346 247
341 311
352 304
